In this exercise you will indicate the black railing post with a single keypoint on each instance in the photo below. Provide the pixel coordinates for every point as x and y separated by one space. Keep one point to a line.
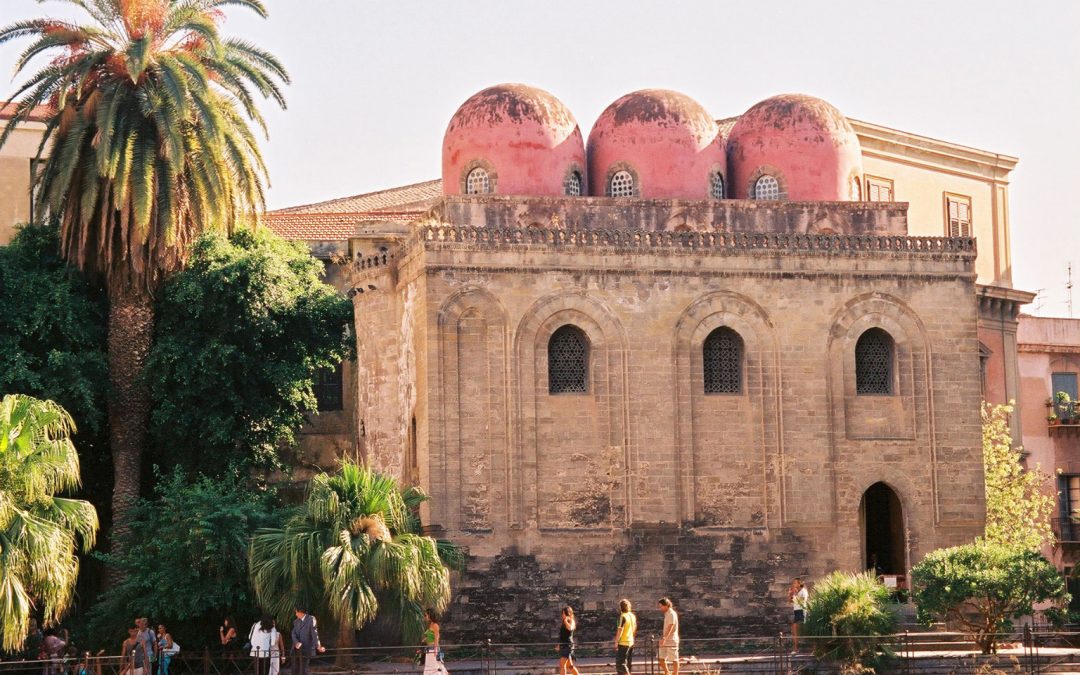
488 658
780 656
906 654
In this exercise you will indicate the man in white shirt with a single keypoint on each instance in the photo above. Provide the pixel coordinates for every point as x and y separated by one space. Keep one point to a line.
669 639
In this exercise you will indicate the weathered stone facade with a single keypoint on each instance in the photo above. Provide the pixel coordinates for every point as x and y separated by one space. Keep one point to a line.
644 485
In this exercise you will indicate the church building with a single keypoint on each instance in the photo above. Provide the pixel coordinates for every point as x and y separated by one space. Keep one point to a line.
687 357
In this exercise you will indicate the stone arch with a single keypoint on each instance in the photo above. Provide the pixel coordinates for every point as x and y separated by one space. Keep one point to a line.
702 499
468 462
884 516
599 442
881 437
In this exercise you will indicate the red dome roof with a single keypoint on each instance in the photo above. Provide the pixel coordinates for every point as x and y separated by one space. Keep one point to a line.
665 140
526 140
802 141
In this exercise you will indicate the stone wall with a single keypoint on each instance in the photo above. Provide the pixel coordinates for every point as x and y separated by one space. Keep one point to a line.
645 486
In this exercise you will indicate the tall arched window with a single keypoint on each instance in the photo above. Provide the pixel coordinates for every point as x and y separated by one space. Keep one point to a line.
874 359
573 184
477 183
621 184
856 189
568 361
716 185
722 356
767 187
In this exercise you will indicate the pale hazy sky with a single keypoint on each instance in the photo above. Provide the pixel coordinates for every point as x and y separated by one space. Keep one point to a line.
375 83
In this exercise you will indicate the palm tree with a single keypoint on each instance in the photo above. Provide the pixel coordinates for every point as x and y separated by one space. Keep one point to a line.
354 547
39 532
148 124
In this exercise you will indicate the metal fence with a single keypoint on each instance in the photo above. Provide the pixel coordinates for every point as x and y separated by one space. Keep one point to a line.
908 653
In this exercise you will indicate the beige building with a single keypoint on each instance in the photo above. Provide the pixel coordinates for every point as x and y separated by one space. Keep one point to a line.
17 164
614 392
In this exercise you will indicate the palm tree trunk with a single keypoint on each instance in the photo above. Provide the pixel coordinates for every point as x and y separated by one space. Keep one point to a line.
346 641
131 331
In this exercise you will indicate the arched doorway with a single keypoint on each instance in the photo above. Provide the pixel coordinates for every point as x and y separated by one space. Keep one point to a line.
884 542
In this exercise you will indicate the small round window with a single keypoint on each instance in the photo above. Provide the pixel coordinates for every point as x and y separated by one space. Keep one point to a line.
621 185
573 184
766 187
477 182
716 185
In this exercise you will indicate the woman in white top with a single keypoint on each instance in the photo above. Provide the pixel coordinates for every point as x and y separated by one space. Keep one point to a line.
264 641
797 595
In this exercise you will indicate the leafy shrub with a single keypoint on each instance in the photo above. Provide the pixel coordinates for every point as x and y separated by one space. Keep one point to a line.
848 612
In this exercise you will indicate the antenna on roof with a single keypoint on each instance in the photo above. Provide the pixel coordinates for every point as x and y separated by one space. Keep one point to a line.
1039 299
1068 288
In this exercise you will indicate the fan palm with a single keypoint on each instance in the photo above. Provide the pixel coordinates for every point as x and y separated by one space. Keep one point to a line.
149 143
39 532
354 547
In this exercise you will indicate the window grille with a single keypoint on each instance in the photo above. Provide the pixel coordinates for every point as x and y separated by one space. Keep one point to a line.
573 184
722 362
766 187
716 186
327 388
621 185
874 363
959 216
856 189
477 183
568 361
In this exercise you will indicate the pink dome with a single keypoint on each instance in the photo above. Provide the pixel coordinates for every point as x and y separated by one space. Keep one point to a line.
665 140
806 144
524 139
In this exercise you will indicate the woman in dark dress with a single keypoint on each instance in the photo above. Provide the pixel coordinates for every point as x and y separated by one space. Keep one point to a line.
566 642
228 635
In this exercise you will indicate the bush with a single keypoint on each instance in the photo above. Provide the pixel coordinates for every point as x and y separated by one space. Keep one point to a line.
849 611
983 586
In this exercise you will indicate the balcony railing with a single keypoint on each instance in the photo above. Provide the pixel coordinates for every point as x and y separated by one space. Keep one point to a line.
1067 530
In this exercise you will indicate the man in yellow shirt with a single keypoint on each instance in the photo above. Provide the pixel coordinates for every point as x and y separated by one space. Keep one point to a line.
624 639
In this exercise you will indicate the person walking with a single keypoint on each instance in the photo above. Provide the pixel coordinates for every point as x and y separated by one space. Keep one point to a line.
149 642
669 639
277 653
433 656
166 649
54 646
305 641
624 638
133 653
567 626
264 641
797 596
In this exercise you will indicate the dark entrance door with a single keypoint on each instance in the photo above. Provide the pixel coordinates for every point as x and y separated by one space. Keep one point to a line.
883 529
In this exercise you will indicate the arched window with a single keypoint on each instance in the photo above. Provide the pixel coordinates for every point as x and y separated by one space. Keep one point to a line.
716 185
568 361
856 189
621 184
766 187
874 357
477 183
722 356
573 184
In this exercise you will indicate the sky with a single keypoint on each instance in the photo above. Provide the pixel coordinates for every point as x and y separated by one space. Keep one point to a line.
375 83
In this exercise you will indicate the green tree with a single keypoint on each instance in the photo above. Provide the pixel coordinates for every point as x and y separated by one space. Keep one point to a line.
39 531
354 550
983 586
148 124
1018 509
240 334
849 610
185 560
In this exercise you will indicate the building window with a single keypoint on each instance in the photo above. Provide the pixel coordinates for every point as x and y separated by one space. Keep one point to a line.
1065 382
477 182
568 361
573 184
766 187
328 388
957 215
722 362
874 363
716 185
621 184
984 363
879 189
856 189
1069 507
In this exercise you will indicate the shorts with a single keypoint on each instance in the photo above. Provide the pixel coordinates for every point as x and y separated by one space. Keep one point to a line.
566 651
669 653
799 617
